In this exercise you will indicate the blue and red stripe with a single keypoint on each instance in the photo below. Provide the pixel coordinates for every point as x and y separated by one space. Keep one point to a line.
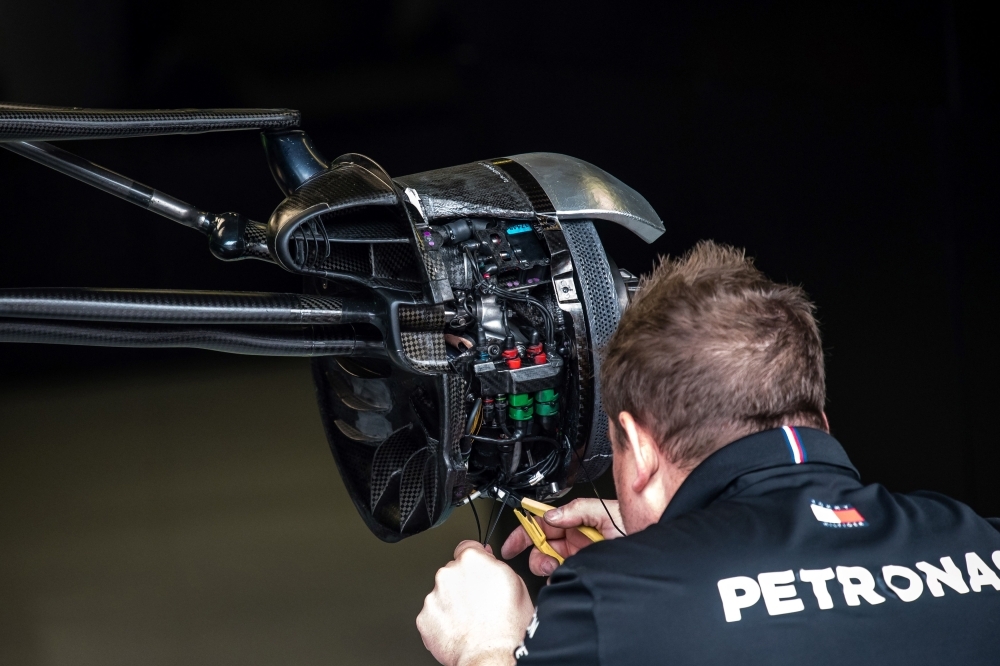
795 445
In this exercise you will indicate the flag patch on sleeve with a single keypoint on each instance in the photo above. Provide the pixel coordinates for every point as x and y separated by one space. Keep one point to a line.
837 515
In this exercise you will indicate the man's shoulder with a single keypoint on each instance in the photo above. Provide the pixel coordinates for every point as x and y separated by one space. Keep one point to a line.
798 520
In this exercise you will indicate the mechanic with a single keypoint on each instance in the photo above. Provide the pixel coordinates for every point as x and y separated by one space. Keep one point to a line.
751 539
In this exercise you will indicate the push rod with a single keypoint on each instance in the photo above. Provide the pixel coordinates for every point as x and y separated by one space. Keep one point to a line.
113 183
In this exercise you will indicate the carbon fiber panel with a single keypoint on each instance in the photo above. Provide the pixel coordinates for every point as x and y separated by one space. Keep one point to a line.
421 318
478 189
389 459
425 351
600 305
412 507
366 224
454 417
396 261
348 258
345 185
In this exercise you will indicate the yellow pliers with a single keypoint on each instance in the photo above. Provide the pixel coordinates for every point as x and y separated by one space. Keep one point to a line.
524 506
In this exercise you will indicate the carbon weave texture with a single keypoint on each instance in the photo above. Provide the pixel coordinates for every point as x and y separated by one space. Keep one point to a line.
170 306
435 266
600 304
396 261
345 185
255 237
421 317
366 224
254 341
455 417
425 351
469 190
26 123
539 200
385 263
348 258
459 271
389 459
411 490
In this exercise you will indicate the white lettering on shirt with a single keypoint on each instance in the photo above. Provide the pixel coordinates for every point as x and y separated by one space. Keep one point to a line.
858 584
979 573
818 578
950 575
779 593
909 593
780 596
732 603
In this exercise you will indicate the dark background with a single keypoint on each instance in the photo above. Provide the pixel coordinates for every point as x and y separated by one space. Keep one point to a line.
850 148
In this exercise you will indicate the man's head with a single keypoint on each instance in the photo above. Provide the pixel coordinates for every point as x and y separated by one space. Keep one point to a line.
709 351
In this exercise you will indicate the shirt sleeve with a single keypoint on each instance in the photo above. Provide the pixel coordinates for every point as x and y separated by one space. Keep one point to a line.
563 630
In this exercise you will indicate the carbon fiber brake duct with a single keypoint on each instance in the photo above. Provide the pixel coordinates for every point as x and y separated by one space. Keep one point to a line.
454 315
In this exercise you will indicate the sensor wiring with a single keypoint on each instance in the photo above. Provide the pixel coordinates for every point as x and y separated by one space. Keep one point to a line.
594 486
479 527
489 534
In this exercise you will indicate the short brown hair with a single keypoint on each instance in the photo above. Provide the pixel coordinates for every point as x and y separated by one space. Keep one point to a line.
711 350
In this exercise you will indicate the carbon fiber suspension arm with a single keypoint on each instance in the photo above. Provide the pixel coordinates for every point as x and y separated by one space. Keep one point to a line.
231 236
235 322
183 307
24 122
342 340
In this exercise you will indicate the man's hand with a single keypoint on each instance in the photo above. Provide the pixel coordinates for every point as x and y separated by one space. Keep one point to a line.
558 525
478 611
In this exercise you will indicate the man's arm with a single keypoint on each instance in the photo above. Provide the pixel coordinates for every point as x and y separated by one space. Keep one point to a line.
478 611
563 629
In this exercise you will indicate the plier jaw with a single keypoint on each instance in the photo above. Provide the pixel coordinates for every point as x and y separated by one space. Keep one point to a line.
524 507
537 535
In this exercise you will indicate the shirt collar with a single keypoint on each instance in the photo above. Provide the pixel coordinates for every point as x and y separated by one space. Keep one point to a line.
781 447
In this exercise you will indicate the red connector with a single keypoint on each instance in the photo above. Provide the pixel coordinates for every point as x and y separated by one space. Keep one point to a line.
537 354
510 354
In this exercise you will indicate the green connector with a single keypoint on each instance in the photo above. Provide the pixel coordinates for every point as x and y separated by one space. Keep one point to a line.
522 407
547 402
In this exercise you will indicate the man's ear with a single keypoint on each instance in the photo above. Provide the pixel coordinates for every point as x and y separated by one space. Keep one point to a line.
644 449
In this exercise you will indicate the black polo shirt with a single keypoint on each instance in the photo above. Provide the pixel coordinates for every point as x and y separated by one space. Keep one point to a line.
773 552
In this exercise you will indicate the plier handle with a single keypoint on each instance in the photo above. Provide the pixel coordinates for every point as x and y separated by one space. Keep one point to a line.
524 506
537 535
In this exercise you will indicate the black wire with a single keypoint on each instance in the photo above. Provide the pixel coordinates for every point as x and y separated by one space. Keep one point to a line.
594 486
490 519
479 528
465 306
495 523
545 466
524 298
514 440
